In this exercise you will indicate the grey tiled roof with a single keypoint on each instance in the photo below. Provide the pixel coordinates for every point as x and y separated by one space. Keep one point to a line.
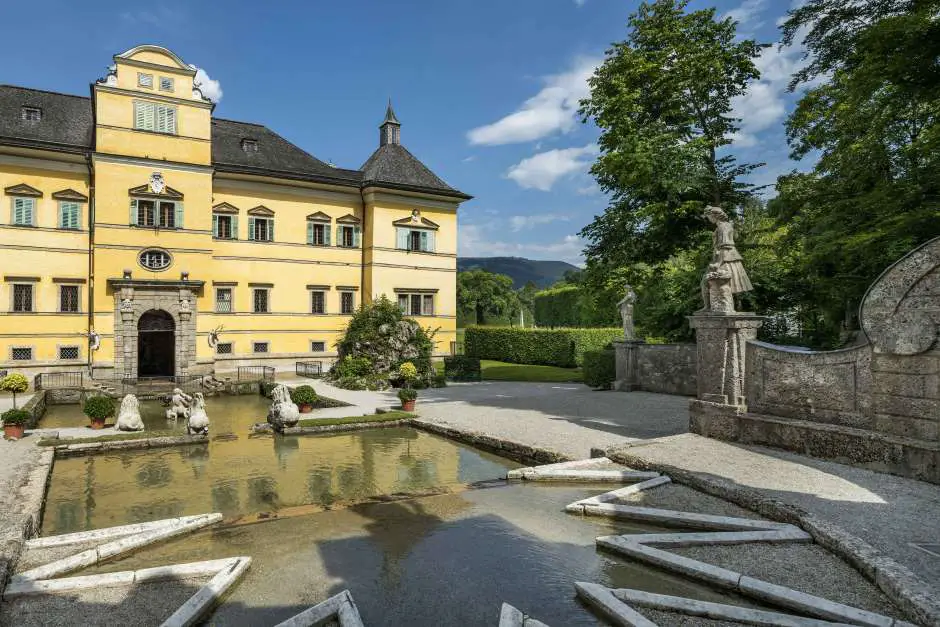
66 120
68 124
275 154
393 166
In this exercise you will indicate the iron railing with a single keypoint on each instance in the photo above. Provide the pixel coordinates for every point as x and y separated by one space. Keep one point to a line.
309 369
256 373
59 380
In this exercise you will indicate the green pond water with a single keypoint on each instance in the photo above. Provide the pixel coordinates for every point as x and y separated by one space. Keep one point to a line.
304 508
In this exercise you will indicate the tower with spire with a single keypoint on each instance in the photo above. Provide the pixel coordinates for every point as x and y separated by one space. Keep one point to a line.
390 129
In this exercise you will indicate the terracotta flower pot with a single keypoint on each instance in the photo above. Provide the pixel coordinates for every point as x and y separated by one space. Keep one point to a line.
408 405
305 408
97 423
13 432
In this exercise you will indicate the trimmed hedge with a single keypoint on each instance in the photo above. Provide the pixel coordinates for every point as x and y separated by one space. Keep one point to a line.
462 368
548 347
600 369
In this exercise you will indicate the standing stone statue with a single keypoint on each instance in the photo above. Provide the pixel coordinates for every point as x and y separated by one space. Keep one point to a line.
129 416
283 412
725 275
198 419
626 313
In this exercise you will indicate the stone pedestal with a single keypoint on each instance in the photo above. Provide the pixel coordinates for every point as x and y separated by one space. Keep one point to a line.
628 379
720 341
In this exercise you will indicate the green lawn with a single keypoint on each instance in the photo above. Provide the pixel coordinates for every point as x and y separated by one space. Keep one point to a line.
114 437
502 371
385 417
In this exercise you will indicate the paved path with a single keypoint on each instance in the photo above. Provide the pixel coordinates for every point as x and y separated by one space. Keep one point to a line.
890 513
567 418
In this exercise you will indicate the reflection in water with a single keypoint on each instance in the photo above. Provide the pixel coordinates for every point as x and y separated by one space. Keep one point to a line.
248 475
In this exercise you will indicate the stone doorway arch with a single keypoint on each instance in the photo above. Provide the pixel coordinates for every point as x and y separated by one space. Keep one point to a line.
156 344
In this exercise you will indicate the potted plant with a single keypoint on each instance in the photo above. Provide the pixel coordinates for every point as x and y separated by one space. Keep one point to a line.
98 409
15 383
407 396
304 396
14 423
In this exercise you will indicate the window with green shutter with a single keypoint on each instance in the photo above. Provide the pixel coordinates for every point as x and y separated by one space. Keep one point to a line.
318 233
152 116
70 215
24 211
261 229
224 226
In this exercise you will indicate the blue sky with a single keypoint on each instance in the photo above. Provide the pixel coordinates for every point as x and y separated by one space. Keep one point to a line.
486 90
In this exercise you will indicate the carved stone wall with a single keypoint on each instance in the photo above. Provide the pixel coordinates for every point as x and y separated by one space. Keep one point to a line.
131 302
660 368
876 404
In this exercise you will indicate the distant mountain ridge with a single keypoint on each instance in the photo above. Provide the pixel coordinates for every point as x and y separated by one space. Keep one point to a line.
542 273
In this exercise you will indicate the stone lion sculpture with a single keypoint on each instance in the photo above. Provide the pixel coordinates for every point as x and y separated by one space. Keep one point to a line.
129 415
180 403
198 419
283 412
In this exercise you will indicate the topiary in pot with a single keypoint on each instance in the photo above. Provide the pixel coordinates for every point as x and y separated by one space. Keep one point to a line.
407 396
98 409
15 383
14 423
304 396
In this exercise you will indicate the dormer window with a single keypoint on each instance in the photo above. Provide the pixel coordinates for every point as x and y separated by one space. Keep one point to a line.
31 114
145 80
250 145
166 84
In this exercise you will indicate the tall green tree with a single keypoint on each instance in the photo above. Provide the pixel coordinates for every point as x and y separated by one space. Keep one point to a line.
870 112
662 99
485 297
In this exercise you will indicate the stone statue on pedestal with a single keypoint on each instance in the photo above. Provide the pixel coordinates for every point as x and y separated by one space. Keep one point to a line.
283 412
129 416
198 419
180 403
626 313
726 275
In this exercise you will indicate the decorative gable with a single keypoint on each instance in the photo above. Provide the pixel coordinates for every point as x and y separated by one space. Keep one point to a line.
319 216
224 207
348 219
416 222
23 190
144 191
261 210
69 194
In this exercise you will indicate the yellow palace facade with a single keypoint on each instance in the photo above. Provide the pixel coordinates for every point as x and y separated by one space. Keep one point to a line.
140 236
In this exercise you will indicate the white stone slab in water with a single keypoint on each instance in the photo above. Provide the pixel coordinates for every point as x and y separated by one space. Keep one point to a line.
206 597
602 600
649 484
81 537
509 616
340 608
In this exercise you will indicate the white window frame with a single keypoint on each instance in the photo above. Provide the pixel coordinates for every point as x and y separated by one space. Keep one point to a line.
78 297
267 300
170 82
427 240
27 114
233 225
156 214
356 235
409 300
253 225
155 117
29 204
312 232
145 80
231 299
69 204
32 298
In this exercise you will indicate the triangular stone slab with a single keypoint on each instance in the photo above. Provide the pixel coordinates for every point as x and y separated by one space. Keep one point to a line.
339 608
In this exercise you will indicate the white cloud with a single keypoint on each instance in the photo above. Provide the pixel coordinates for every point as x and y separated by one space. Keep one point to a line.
475 241
518 223
746 14
579 3
211 89
763 105
469 159
552 110
541 170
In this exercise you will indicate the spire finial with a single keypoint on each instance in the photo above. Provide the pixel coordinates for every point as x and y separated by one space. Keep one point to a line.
390 129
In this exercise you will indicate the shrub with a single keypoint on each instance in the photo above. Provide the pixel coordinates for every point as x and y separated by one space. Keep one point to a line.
15 383
440 381
266 388
600 369
99 407
15 417
549 347
408 372
462 368
350 366
407 394
303 395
